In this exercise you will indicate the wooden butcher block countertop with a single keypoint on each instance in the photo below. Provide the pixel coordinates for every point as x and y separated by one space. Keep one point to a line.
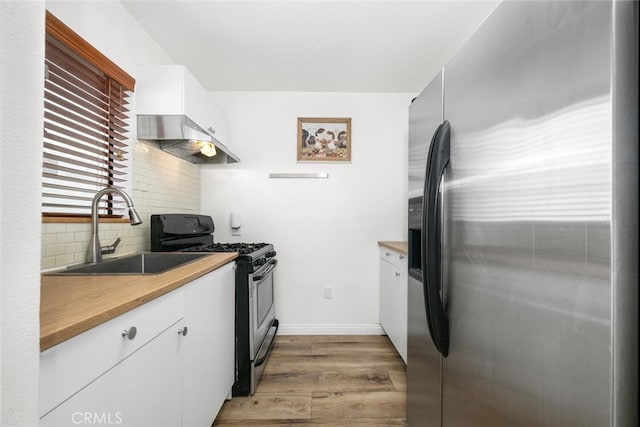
70 305
396 246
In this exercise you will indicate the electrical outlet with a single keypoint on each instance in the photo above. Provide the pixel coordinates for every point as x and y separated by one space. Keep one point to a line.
328 292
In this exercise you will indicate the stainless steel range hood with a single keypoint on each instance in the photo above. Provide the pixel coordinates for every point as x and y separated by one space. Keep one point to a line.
182 137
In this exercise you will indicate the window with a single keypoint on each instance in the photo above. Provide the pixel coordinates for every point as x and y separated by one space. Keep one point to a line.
85 125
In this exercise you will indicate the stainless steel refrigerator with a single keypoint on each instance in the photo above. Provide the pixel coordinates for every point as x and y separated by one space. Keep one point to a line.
523 223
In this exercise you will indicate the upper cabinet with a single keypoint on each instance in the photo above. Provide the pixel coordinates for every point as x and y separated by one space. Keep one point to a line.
177 113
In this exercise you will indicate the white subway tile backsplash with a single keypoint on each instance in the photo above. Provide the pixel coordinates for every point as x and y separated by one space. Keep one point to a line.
75 247
65 259
48 239
48 262
55 227
65 237
110 235
82 236
55 249
79 257
73 227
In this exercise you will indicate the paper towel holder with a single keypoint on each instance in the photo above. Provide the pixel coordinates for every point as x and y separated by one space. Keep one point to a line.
236 223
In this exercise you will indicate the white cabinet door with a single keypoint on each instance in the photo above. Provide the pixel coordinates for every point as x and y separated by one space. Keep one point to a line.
393 298
200 107
173 90
219 123
208 345
145 389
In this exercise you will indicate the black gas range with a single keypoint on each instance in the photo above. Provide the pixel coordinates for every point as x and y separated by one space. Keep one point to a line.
255 322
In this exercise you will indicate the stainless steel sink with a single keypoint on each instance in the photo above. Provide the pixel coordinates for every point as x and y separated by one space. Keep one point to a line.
142 263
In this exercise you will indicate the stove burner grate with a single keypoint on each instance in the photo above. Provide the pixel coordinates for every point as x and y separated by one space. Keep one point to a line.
241 248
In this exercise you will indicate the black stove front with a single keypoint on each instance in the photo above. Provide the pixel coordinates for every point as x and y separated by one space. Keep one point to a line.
255 322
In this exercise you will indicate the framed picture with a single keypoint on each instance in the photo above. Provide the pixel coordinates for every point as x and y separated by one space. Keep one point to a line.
324 139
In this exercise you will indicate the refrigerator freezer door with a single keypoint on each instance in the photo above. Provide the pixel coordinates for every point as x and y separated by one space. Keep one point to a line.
529 218
423 359
423 364
425 114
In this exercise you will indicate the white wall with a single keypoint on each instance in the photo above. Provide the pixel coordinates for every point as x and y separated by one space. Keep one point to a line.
21 127
324 230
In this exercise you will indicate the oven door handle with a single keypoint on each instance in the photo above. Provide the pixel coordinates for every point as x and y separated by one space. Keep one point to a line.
267 269
262 352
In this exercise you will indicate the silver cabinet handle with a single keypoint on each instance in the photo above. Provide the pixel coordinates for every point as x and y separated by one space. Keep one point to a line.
130 333
401 256
183 331
387 253
397 274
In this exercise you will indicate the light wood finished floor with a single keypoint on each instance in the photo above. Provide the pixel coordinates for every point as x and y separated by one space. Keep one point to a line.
325 381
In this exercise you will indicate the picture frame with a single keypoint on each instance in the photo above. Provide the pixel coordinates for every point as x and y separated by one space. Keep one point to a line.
324 139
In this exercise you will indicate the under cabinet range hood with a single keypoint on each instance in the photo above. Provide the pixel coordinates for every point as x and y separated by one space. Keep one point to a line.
177 114
182 137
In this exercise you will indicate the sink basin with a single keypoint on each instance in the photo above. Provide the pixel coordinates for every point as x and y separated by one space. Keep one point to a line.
142 263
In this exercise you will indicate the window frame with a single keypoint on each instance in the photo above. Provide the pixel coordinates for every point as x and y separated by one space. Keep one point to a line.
64 35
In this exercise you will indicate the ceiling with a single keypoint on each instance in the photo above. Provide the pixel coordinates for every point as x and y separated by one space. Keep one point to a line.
311 45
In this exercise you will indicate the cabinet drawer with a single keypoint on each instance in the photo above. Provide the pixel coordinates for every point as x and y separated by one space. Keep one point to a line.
69 366
397 259
143 390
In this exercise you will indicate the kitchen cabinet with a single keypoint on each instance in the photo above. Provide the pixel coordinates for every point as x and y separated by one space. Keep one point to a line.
164 360
173 90
209 345
393 297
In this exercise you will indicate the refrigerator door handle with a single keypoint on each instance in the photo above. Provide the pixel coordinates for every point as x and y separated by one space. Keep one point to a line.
432 240
424 233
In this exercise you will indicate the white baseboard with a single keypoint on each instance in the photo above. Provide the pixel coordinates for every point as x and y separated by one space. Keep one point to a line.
360 329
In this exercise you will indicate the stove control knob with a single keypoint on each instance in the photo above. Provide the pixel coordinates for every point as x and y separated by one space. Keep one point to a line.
260 261
270 254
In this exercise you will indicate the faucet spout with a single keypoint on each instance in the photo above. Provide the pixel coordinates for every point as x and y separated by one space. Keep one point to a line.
95 250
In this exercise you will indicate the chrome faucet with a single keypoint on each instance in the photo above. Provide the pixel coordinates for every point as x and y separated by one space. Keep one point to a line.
95 250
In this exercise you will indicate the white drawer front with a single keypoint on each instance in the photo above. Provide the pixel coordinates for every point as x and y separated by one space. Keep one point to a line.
393 257
69 366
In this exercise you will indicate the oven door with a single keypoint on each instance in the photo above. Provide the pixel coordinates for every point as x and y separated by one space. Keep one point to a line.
262 308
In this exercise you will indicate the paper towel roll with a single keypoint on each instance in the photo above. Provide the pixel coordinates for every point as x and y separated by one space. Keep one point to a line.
235 220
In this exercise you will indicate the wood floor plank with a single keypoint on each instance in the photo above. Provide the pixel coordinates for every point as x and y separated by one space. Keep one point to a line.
399 380
339 338
382 361
349 347
376 404
356 380
292 347
290 382
307 381
317 422
267 406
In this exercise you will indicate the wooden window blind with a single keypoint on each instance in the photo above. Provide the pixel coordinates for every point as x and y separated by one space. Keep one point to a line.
85 125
